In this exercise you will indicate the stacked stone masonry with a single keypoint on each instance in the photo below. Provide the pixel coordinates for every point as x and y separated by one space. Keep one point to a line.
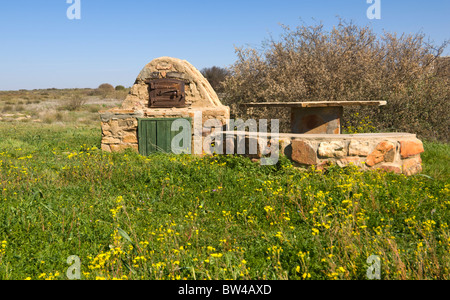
120 127
392 152
399 154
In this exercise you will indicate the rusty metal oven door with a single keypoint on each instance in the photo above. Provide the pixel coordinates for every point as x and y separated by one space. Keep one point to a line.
167 93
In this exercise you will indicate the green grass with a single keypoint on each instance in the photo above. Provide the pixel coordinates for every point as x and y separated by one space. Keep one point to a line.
183 217
436 160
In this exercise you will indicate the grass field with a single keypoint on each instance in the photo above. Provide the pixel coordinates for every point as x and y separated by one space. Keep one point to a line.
181 217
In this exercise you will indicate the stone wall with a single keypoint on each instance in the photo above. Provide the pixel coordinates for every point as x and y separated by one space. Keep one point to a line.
119 132
120 127
393 152
398 153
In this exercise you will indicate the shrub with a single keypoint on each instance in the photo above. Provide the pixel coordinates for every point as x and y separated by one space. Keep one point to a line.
7 108
216 76
347 63
120 88
19 108
106 87
94 108
105 90
49 119
76 101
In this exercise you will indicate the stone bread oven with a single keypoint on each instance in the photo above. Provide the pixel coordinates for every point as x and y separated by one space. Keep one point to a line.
167 89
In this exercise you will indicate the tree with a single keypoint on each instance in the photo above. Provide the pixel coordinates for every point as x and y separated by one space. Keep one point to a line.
216 76
106 87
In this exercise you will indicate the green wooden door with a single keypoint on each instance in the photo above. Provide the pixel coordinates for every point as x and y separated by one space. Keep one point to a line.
156 135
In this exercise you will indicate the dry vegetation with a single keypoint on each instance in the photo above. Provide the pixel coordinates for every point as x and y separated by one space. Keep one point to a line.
58 106
216 75
347 63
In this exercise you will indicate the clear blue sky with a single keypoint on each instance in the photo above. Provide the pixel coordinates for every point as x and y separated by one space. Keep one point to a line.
42 48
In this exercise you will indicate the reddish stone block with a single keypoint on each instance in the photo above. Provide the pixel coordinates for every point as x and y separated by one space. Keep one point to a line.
385 146
380 152
411 148
303 153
